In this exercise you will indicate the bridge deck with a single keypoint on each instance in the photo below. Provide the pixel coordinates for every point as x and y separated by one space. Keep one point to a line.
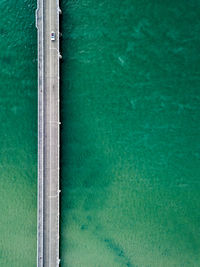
47 20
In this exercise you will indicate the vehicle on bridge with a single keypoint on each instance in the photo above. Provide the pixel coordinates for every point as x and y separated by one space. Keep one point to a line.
53 36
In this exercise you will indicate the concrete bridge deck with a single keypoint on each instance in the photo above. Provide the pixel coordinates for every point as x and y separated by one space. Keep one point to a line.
47 20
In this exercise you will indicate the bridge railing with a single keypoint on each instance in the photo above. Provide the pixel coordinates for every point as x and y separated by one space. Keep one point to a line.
40 195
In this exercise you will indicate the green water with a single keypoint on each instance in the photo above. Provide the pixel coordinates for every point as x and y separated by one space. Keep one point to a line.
130 111
18 133
130 133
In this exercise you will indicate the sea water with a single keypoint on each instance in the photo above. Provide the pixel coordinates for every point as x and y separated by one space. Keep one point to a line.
130 133
18 133
130 109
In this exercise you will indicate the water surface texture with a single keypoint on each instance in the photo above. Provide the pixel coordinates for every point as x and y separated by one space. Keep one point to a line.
130 133
18 133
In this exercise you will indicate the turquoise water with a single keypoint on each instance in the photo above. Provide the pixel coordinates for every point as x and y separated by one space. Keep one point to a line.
130 133
18 133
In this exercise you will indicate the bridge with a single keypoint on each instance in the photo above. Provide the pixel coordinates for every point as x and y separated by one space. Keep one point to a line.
47 21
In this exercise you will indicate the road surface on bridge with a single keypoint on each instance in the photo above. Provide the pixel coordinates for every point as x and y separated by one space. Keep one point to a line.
47 21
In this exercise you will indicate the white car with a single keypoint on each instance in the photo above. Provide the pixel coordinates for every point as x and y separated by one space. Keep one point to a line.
53 36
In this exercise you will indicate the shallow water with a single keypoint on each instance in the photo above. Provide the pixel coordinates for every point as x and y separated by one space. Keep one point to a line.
130 133
18 133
